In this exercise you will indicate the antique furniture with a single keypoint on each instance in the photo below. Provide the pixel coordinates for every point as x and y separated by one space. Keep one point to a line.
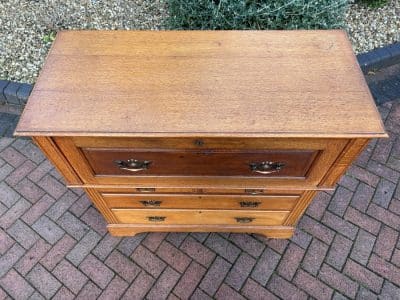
231 131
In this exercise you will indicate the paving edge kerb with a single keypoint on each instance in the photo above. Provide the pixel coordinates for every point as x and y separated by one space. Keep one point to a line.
15 93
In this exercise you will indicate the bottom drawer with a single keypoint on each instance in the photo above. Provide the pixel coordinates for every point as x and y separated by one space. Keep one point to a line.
199 217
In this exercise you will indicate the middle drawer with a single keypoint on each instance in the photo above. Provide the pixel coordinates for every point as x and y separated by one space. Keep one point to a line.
197 201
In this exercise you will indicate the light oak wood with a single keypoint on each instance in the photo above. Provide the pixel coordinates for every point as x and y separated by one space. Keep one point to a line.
199 217
196 201
200 83
202 106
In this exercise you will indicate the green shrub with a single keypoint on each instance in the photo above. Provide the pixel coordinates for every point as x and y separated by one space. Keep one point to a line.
373 3
256 14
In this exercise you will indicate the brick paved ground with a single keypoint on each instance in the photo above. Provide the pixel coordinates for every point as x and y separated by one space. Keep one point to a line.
53 242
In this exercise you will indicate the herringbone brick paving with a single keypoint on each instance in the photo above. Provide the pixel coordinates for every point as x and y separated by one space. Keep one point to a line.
54 243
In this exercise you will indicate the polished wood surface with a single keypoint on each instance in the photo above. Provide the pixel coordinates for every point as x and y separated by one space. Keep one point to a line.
201 106
193 201
205 162
199 217
201 83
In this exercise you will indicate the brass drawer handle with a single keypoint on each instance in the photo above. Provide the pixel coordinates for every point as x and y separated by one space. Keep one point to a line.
244 220
152 203
249 204
156 219
266 167
133 165
254 191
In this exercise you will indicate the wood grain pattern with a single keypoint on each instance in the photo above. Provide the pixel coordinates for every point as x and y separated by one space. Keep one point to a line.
191 83
199 217
58 159
196 201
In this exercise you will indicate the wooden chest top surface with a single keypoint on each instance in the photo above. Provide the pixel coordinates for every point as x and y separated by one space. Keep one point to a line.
201 83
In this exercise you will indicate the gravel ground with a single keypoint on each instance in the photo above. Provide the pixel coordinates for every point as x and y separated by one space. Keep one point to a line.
27 27
371 28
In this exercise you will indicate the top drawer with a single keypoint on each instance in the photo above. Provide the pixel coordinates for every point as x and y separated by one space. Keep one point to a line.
223 162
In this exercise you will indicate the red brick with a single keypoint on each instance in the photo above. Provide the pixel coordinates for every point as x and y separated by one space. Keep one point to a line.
362 220
52 186
173 257
247 243
383 171
340 249
89 292
363 175
253 291
338 281
139 288
349 182
10 258
26 263
362 247
382 149
59 250
384 192
227 293
318 205
315 256
386 242
153 240
80 206
40 171
223 247
340 201
176 238
390 291
240 271
106 246
340 225
63 294
98 272
16 286
396 257
12 156
43 281
385 269
61 205
290 261
5 242
29 190
148 261
197 251
164 284
312 285
95 220
285 289
384 216
122 266
301 238
362 197
363 276
200 295
14 213
189 280
265 266
129 244
316 229
7 195
70 276
19 173
38 209
395 204
215 275
279 245
114 290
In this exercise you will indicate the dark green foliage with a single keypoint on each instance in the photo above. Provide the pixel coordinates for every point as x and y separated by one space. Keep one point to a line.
256 14
373 3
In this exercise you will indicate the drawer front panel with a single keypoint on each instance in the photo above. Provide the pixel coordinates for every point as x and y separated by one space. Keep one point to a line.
280 163
157 201
199 217
202 163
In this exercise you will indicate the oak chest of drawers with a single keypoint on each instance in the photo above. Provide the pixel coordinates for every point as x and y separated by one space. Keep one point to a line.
201 131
